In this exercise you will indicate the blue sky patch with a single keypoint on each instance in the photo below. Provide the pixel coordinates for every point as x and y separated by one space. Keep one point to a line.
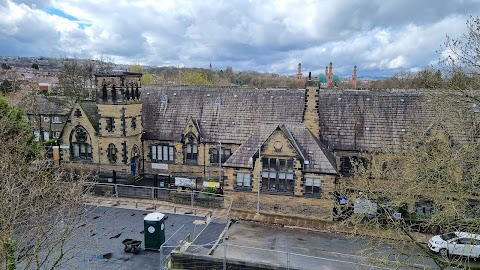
61 13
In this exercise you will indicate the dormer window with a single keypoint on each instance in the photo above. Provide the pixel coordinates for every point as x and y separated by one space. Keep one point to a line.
191 148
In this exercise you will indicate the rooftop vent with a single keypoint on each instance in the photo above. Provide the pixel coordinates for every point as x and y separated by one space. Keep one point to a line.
208 95
217 101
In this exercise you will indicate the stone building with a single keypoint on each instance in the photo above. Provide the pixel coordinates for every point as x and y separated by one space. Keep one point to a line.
287 147
104 136
47 115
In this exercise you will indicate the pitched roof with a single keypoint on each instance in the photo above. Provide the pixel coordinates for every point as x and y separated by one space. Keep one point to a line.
91 110
318 158
50 105
239 113
360 120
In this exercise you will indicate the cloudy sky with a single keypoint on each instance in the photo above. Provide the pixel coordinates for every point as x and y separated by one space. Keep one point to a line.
381 37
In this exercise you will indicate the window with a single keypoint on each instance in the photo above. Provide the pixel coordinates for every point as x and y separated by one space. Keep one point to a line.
46 119
56 120
277 175
56 134
134 123
110 123
243 180
191 148
214 155
46 135
104 93
37 135
312 185
112 153
114 93
78 113
81 148
161 153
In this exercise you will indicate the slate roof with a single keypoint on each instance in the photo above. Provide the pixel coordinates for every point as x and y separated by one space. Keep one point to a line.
50 105
361 120
91 110
240 113
320 160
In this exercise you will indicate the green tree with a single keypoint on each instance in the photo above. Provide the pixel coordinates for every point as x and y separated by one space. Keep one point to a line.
147 78
35 66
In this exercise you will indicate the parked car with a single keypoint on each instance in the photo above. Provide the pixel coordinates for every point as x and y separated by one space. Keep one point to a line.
456 243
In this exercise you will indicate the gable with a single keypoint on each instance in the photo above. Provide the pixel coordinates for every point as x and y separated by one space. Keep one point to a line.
191 127
77 117
278 144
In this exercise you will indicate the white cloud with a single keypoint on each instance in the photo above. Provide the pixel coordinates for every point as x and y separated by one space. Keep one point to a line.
380 37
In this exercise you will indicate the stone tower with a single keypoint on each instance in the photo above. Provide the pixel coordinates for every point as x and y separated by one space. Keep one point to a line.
120 125
299 74
354 78
329 75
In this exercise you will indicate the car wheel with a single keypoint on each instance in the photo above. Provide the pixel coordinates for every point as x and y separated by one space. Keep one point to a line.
443 252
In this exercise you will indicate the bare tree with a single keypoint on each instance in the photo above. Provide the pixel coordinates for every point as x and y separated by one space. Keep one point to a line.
41 206
428 184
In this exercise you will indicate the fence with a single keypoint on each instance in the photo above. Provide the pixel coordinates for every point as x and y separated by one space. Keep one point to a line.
172 200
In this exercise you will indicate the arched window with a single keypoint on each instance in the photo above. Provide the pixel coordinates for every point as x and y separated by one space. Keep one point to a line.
104 93
114 93
191 148
127 93
112 153
80 144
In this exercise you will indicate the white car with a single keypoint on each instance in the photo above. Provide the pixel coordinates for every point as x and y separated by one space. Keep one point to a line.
456 243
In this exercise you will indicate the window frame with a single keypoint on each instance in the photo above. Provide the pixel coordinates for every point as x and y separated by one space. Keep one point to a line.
110 124
167 151
278 175
214 155
310 189
56 120
242 176
112 153
81 149
191 149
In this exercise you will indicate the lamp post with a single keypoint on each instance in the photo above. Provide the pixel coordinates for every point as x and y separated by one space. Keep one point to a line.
259 178
220 180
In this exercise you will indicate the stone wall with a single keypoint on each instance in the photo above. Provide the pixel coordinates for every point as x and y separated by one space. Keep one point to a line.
314 208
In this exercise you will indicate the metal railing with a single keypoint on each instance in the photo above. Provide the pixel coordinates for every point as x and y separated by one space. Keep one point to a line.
171 200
